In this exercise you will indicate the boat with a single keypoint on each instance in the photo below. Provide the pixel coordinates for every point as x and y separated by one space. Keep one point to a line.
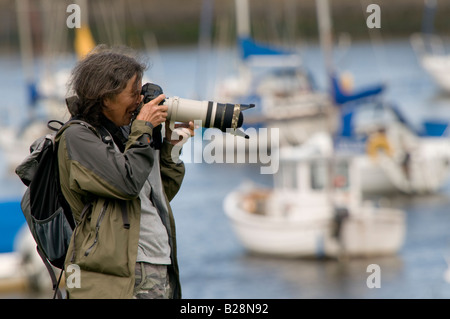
314 210
46 94
21 267
431 49
434 58
275 79
395 155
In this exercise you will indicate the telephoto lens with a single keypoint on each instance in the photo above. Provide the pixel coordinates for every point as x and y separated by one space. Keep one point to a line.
227 117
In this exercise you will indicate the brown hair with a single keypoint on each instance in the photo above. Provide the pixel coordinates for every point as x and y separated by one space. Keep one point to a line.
103 73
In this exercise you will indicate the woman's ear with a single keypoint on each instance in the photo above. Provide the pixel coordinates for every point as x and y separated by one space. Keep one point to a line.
107 102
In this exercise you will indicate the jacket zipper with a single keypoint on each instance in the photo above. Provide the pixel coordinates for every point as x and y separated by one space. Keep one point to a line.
97 228
83 215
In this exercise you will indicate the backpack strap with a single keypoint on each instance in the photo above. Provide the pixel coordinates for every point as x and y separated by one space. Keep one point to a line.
69 123
51 271
125 220
51 127
57 291
101 132
58 128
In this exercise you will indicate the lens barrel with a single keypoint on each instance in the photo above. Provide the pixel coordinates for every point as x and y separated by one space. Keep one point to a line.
226 116
212 114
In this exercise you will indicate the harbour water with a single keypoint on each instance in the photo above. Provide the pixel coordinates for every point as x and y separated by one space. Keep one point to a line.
213 264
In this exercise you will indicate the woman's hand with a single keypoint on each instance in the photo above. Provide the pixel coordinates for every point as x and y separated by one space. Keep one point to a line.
180 134
153 112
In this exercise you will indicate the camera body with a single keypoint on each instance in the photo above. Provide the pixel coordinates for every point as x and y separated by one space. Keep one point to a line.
226 117
150 91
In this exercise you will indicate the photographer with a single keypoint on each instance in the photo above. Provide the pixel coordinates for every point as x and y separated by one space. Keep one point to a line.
119 187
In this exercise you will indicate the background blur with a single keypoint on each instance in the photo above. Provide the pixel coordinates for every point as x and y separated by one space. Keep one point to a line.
175 22
191 46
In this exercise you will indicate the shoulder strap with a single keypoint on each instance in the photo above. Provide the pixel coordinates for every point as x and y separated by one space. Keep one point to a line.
63 126
55 282
105 135
54 128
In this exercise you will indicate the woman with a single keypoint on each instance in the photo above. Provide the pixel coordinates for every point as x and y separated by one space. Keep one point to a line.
119 181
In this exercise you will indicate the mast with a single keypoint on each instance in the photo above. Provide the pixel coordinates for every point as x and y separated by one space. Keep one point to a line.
26 49
429 14
84 41
204 46
242 18
325 34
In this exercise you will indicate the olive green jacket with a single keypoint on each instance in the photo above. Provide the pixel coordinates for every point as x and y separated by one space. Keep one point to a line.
105 241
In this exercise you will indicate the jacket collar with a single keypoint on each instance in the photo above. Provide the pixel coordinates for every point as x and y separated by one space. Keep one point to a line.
115 131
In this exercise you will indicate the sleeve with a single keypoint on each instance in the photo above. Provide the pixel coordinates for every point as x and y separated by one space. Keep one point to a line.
96 167
172 169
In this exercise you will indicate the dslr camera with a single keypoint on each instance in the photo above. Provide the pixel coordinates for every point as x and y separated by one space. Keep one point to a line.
211 114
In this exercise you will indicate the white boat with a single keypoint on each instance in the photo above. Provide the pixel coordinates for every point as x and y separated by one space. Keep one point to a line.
426 171
431 49
410 159
297 111
433 57
275 79
314 210
398 157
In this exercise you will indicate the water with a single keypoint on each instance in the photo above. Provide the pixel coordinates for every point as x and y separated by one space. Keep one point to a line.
213 264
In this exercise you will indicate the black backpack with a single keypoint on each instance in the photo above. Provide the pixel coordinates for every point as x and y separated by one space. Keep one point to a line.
46 211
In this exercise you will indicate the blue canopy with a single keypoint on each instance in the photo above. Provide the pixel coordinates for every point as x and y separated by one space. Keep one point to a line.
11 220
340 97
250 48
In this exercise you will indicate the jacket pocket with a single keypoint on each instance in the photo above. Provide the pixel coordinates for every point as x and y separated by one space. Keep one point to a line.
97 228
104 246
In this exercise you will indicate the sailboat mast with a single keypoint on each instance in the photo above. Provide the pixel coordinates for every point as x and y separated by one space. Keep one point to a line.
26 46
242 18
204 47
84 41
325 34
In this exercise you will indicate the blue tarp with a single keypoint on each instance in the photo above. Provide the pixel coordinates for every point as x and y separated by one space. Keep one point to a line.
435 128
11 220
340 97
250 47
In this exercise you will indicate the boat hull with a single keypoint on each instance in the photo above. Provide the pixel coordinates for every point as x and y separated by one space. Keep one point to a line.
367 233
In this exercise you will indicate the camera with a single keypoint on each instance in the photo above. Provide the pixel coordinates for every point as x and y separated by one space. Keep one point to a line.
211 114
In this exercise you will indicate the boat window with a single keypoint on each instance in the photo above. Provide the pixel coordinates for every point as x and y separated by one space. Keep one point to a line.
288 175
340 176
318 175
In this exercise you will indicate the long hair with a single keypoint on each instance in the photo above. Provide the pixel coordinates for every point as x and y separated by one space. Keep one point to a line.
102 74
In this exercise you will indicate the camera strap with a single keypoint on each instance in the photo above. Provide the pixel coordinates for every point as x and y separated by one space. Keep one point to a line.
157 137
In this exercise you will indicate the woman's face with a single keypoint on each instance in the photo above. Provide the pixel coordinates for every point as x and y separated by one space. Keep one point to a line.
120 108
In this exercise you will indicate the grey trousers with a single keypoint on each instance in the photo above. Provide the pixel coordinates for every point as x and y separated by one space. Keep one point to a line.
152 282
